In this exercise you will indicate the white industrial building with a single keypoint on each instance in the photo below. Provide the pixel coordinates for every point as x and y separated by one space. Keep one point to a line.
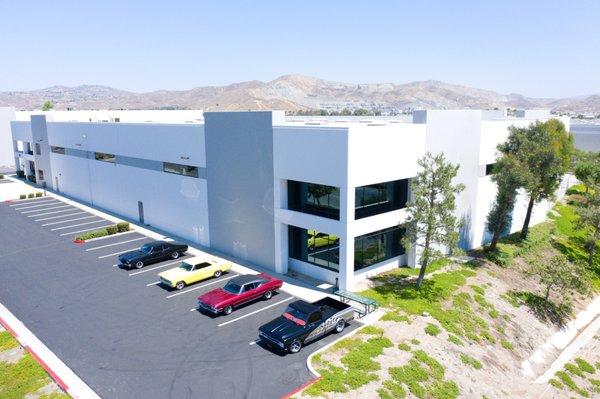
322 198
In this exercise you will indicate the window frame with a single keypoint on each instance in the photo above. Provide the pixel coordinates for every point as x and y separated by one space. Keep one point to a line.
193 169
58 150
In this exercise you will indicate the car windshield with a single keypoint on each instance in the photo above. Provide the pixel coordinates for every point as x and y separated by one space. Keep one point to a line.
296 314
232 287
186 266
146 248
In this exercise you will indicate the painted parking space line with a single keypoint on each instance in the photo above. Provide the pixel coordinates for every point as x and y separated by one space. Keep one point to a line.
154 268
113 235
32 200
254 342
61 216
51 213
154 283
45 203
84 230
255 312
68 220
116 243
46 209
202 286
117 253
77 225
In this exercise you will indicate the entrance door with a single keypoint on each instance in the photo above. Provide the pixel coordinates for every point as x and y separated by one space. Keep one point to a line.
141 211
56 184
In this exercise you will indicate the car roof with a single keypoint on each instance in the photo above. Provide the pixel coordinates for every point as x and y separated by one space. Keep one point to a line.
199 259
247 278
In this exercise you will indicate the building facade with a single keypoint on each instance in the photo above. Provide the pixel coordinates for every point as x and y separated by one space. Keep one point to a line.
323 198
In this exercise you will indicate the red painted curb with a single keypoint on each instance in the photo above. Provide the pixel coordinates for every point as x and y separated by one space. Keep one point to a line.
8 201
301 387
79 242
55 377
7 327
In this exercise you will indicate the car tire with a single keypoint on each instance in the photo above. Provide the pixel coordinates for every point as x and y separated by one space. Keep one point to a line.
295 346
227 310
218 273
180 285
268 295
340 325
139 264
175 255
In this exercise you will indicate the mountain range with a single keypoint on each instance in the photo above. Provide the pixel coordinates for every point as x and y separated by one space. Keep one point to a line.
295 93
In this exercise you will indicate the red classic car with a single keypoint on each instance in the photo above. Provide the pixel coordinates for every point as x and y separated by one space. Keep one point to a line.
237 291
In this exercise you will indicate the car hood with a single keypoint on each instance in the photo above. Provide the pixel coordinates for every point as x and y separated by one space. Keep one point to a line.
216 297
173 274
281 328
128 256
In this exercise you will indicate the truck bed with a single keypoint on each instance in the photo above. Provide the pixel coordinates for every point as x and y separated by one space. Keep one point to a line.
330 306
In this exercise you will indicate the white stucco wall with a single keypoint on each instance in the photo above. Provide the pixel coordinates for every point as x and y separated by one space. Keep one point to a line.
7 157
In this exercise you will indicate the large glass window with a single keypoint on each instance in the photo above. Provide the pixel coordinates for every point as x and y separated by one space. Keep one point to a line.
105 157
316 199
378 246
380 198
38 150
57 150
320 249
178 169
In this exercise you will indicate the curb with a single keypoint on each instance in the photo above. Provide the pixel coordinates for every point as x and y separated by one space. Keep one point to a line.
64 377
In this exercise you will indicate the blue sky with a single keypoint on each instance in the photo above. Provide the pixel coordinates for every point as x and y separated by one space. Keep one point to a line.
536 48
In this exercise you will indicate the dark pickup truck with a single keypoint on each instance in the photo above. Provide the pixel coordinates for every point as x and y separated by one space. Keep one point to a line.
303 322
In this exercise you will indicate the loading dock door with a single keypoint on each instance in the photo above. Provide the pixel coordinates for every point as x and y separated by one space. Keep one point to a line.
141 211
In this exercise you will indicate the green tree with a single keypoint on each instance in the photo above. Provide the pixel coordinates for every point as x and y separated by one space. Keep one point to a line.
587 170
543 153
431 224
559 275
48 105
589 221
317 191
508 179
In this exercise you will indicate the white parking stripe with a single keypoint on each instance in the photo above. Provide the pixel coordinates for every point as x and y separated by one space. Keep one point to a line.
201 286
255 312
84 230
254 342
154 283
61 216
117 253
51 213
68 220
45 203
116 243
31 200
154 268
77 225
46 209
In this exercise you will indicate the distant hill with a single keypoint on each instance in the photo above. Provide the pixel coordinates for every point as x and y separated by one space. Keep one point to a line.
293 93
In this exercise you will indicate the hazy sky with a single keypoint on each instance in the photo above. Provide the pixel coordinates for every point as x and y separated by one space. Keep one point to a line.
537 48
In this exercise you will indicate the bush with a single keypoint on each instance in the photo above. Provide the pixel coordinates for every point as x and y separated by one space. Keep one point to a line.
31 178
585 366
92 234
38 194
1 176
30 195
122 227
22 196
20 174
432 329
466 359
110 230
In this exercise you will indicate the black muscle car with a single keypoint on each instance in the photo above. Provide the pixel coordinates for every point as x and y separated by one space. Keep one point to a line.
152 252
303 322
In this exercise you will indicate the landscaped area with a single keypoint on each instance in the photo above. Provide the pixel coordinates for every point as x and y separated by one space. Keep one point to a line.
21 376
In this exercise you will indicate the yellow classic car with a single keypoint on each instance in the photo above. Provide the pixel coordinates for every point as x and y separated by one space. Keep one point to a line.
193 270
319 240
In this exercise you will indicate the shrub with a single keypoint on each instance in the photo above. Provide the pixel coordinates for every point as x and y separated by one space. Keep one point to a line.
471 361
506 344
20 174
22 196
92 234
454 339
31 178
122 227
403 346
110 230
415 341
585 366
432 329
556 383
1 176
30 195
38 194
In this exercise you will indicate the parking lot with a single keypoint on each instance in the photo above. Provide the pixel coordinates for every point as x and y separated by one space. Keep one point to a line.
121 331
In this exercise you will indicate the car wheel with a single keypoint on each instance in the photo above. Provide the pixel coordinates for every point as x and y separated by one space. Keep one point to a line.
175 255
218 273
139 264
227 310
339 327
296 346
180 285
268 295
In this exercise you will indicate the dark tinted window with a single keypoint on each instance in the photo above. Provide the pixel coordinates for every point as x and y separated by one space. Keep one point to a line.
57 150
320 249
316 316
380 198
178 169
316 199
378 246
202 265
489 169
232 288
105 157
